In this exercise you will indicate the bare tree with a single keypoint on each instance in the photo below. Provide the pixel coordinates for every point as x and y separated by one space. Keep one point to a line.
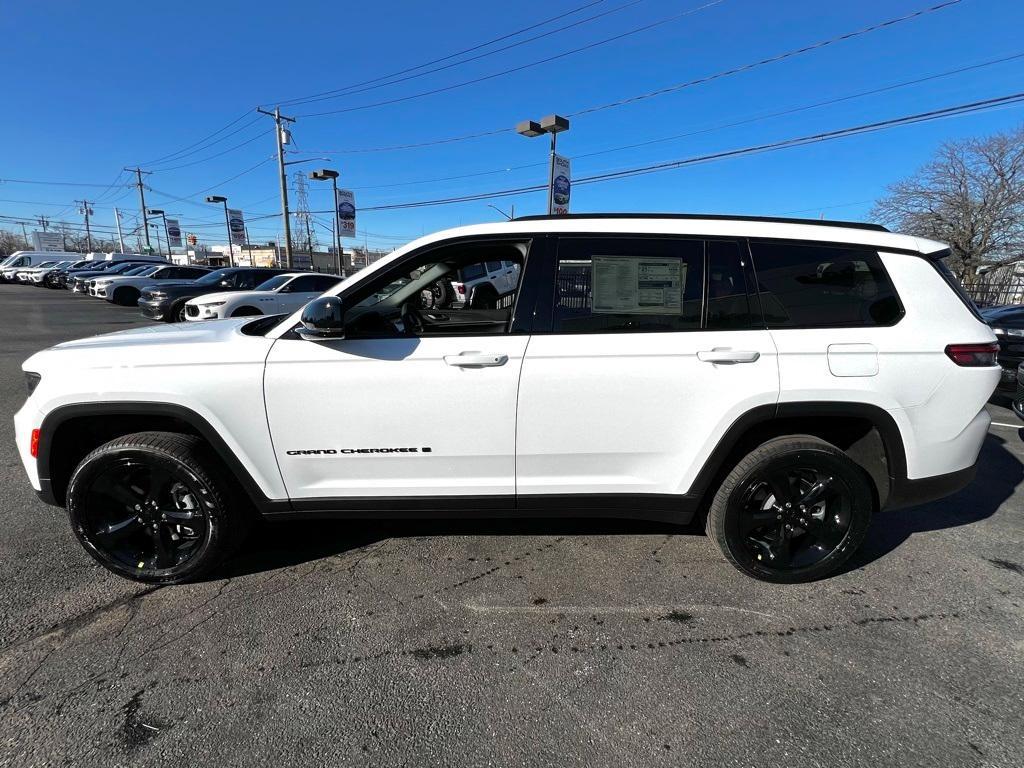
970 196
10 242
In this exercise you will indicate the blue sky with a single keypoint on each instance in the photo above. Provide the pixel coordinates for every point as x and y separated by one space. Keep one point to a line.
92 87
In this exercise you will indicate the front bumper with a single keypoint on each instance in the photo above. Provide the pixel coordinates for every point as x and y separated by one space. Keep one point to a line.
154 309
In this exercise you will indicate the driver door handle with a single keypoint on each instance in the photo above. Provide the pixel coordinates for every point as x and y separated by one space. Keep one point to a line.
719 355
475 360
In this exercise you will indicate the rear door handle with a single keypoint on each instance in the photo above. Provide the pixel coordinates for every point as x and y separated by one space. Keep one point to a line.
475 360
726 355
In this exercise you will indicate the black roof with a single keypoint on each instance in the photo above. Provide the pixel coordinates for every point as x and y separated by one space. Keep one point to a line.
711 216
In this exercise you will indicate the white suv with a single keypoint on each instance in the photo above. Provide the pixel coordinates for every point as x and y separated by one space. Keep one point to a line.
778 380
278 295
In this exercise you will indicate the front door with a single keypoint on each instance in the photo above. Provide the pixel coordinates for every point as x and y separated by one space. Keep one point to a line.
651 352
414 402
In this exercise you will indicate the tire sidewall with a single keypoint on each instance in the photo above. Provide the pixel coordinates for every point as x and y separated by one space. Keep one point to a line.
861 502
90 469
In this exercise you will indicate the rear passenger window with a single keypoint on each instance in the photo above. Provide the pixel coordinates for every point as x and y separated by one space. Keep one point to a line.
615 285
811 286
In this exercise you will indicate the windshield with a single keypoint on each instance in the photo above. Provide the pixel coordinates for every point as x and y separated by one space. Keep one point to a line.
6 261
273 283
47 264
213 278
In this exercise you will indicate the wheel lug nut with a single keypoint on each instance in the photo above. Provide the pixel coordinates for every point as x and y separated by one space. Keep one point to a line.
788 505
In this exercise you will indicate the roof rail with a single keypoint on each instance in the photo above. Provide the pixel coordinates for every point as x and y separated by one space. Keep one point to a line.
710 216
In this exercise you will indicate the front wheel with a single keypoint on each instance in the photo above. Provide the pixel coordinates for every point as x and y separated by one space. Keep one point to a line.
793 510
153 507
176 314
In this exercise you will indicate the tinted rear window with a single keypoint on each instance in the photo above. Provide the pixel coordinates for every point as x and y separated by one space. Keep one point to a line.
815 286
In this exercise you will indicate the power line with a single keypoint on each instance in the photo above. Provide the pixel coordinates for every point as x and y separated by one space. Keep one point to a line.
770 60
722 126
203 140
353 90
529 65
668 89
260 135
471 49
960 109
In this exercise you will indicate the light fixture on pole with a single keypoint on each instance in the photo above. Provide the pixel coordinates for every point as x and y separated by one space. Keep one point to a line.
162 215
553 125
227 224
323 174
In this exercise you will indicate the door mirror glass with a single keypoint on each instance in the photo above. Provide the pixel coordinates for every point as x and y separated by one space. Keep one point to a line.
323 318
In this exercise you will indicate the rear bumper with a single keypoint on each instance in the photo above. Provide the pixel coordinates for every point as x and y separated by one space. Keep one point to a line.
908 493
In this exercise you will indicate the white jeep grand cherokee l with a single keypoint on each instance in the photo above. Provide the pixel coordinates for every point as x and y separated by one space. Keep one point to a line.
778 380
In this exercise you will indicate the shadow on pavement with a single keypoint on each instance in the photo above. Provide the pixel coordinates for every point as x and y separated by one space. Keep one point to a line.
286 544
999 473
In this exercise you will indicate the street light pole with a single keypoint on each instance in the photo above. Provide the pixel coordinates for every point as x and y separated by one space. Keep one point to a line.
227 225
167 235
554 125
322 175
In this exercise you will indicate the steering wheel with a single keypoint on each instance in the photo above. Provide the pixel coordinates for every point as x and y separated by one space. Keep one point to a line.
411 320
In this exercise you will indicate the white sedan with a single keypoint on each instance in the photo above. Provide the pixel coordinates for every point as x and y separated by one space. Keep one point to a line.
279 294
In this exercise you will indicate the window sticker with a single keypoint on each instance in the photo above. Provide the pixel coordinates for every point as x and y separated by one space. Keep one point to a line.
638 285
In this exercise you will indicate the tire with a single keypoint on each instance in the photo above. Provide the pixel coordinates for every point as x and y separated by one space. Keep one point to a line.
126 297
150 487
246 312
176 313
757 520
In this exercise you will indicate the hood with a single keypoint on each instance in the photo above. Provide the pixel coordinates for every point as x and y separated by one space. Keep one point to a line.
176 290
206 298
162 335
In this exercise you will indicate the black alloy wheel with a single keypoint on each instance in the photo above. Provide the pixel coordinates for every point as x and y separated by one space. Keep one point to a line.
147 507
793 510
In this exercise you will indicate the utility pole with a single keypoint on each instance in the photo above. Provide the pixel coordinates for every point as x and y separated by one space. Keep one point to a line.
24 234
86 211
43 222
280 136
120 237
142 201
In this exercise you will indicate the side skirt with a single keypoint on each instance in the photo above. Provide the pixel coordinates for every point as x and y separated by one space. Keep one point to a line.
668 508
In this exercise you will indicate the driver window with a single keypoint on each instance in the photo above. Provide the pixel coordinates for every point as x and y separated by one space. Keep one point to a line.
449 290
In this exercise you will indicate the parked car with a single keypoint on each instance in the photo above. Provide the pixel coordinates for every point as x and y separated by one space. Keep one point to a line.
850 376
486 283
1018 397
55 278
77 281
1007 323
126 289
21 275
23 259
167 303
281 293
36 275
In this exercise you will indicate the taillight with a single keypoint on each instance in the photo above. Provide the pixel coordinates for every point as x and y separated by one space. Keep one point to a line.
973 355
33 446
461 289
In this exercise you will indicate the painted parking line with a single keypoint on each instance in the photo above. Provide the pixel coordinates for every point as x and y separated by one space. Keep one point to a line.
1008 426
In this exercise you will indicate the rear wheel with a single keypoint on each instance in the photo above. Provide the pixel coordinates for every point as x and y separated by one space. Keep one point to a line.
152 507
793 510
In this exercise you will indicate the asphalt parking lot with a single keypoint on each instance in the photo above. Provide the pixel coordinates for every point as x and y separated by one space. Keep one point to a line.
588 643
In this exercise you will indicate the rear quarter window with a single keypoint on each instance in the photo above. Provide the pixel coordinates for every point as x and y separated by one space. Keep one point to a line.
820 286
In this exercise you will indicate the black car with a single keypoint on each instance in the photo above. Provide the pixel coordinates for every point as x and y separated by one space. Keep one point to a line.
167 303
54 278
1008 325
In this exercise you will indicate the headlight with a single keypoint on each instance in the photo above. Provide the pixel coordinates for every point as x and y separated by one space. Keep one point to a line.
158 295
213 304
32 381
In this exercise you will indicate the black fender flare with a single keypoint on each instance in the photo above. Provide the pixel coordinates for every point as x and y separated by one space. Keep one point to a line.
59 416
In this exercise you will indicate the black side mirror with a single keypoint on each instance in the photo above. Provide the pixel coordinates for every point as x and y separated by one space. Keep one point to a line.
322 319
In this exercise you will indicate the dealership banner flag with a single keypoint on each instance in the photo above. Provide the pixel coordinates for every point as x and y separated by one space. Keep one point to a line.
345 205
174 233
561 185
236 223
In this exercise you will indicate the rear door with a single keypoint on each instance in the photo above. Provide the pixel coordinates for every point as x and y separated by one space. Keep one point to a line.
649 350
